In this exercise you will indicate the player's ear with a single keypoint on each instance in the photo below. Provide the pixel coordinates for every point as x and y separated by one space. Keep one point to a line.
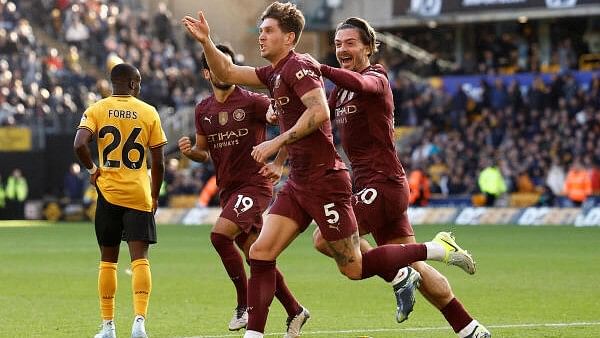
290 37
132 84
206 74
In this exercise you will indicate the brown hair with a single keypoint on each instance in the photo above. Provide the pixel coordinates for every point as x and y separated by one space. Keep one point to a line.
223 48
290 18
367 33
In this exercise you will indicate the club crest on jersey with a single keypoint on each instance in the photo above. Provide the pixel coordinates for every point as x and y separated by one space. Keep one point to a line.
239 115
223 117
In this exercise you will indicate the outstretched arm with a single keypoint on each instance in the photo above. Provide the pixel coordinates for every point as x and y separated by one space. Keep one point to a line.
353 81
316 113
221 65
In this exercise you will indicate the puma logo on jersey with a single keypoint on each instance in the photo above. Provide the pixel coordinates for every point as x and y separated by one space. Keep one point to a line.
206 118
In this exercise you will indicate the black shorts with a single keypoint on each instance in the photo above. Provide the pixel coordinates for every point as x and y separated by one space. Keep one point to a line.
115 223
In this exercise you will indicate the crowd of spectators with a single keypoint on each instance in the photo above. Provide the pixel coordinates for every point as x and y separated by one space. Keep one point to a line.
37 80
533 133
492 52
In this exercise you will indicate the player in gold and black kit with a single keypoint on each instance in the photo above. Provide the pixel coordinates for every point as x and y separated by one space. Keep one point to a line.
228 124
124 128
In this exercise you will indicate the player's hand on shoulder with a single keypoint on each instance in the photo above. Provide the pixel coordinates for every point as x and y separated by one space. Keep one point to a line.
198 28
271 171
185 145
313 60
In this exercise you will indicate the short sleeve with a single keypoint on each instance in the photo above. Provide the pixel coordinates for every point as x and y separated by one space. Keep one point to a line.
261 106
263 74
88 120
157 134
302 76
198 119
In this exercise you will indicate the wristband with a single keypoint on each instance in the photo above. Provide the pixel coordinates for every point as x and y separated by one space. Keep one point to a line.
93 170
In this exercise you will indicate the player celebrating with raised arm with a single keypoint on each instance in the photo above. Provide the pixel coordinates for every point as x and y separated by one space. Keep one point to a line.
228 124
124 128
319 184
363 106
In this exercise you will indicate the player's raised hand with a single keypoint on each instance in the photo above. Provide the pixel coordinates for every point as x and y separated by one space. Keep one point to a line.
185 145
271 171
263 151
198 28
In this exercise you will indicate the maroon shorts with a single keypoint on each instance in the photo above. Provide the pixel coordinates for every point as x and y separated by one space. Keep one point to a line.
326 199
245 206
381 209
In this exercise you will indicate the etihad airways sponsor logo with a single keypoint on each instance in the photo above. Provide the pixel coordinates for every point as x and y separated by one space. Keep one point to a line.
226 138
227 135
341 113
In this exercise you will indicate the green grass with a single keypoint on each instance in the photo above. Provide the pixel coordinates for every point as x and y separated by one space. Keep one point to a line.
526 275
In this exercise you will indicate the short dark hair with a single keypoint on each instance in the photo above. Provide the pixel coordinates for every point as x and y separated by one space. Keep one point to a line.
289 16
123 72
367 33
223 48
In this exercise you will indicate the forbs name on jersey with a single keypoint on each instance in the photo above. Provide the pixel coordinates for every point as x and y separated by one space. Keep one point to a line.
122 114
226 138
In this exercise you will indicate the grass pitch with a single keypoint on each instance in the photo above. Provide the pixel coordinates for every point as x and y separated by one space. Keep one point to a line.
531 282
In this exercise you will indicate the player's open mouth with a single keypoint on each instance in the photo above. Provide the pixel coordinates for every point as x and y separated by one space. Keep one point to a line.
345 60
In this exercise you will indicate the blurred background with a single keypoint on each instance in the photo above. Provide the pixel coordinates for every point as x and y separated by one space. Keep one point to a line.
497 103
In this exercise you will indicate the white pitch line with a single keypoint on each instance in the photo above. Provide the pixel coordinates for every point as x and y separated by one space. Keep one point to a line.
414 329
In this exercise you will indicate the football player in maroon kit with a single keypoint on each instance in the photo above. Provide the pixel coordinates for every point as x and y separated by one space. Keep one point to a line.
319 185
228 124
363 107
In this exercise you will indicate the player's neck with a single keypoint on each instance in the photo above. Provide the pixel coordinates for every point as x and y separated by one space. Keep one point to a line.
222 95
275 59
121 92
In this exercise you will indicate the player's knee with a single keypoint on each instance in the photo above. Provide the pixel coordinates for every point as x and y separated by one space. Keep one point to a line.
260 251
351 271
219 240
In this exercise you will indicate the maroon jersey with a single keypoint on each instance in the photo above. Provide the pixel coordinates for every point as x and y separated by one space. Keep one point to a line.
364 113
232 128
292 77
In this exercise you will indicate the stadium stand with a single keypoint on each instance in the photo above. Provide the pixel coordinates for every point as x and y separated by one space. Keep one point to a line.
534 125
